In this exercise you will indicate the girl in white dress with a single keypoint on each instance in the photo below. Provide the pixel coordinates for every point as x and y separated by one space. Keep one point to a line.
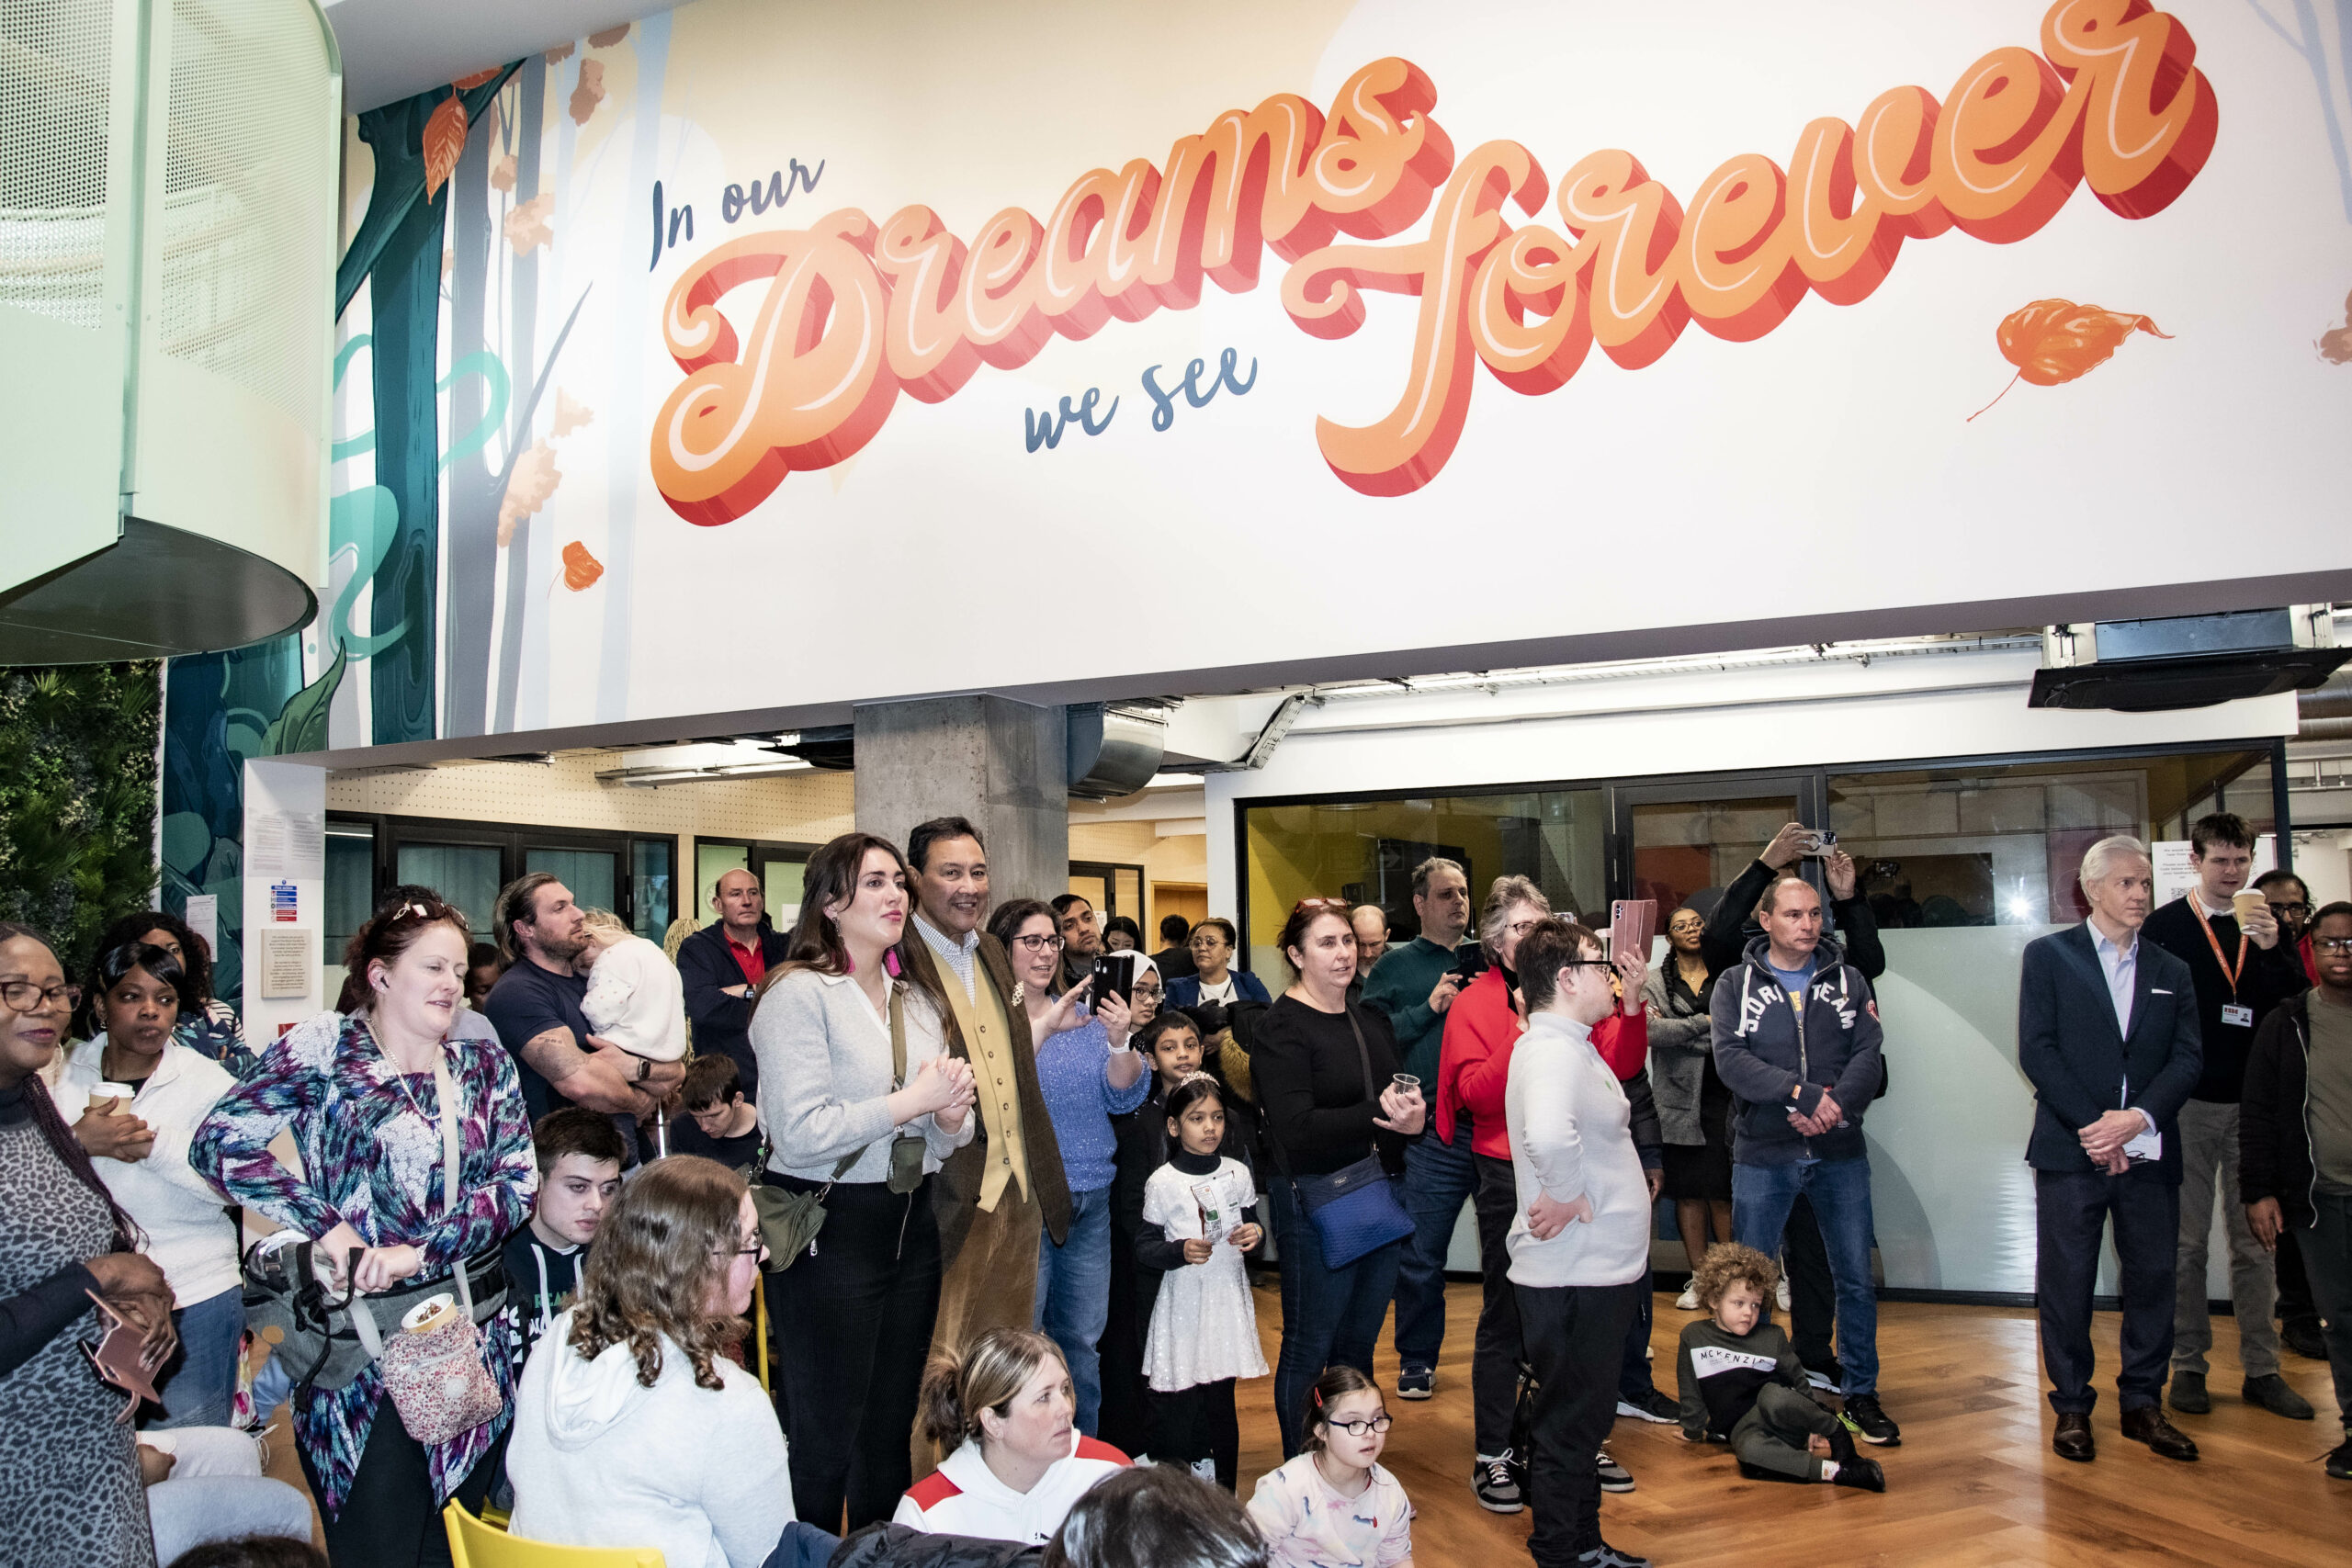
1204 1331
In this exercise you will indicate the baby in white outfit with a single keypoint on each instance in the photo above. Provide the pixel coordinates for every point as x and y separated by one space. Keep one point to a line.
635 999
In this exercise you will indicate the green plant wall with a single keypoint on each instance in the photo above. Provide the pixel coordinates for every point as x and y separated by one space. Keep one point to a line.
77 799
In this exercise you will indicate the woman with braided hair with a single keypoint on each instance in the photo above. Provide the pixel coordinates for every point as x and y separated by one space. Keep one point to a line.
73 1495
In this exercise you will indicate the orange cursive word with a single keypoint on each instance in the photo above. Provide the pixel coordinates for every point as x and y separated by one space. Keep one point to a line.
855 312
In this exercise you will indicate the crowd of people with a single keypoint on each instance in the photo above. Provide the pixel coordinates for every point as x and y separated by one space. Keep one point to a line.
1000 1198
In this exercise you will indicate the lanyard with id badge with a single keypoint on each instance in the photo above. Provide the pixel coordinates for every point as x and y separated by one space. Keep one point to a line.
2234 1012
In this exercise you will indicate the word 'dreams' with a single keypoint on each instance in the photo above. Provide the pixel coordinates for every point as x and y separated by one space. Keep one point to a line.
857 312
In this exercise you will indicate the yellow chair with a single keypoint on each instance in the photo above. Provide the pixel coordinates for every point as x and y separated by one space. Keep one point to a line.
474 1544
760 1324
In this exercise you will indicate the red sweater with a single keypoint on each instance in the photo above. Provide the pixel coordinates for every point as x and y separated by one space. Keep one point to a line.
1474 1064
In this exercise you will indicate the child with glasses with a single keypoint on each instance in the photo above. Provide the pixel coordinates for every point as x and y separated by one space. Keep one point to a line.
1333 1505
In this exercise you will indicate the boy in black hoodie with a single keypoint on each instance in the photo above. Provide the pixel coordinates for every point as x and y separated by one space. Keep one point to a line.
1742 1383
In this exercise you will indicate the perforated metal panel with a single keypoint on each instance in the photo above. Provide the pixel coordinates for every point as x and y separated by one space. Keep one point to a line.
245 194
56 60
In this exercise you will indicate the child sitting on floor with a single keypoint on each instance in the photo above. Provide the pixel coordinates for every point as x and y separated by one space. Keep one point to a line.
1742 1381
1334 1506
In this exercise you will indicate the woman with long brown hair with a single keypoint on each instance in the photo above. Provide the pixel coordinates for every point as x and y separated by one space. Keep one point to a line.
632 1425
859 1104
68 1471
364 1095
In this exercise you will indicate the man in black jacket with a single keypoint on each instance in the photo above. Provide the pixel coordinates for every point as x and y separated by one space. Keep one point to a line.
2241 971
722 965
2295 1144
1806 1262
2106 1033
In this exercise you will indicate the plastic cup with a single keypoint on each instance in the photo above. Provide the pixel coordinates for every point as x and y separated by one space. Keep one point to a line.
1406 1083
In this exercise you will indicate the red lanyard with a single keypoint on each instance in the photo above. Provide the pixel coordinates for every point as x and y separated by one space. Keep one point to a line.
2228 973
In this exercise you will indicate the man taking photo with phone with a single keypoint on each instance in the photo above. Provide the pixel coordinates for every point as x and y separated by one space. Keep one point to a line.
1413 986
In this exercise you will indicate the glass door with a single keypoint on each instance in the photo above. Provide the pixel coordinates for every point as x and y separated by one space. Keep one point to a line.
1686 843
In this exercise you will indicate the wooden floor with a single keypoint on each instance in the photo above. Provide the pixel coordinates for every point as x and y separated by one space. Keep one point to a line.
1973 1482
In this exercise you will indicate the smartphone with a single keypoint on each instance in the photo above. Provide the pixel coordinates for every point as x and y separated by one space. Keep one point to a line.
1822 842
1114 975
1470 962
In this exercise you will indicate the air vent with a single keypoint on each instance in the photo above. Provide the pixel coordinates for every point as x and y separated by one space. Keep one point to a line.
2185 661
1114 749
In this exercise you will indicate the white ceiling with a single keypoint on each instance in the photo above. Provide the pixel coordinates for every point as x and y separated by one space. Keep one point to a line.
394 48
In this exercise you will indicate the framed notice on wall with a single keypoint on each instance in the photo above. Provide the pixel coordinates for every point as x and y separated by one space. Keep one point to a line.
285 964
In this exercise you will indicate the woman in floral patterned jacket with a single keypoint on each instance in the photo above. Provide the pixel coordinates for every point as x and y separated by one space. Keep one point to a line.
357 1093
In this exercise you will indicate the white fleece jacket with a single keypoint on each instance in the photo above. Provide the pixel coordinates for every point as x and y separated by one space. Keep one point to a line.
1571 1137
597 1459
636 1000
189 1234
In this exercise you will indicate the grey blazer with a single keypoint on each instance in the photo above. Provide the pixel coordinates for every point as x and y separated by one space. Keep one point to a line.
1679 1041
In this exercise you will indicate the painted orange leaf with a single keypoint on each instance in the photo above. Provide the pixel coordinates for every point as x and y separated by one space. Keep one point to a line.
502 173
2053 342
590 93
533 480
527 225
477 78
581 570
609 37
570 414
560 53
2336 343
444 137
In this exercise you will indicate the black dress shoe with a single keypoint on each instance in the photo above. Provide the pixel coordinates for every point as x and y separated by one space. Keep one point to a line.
2303 1338
2272 1393
2073 1439
2147 1425
2188 1396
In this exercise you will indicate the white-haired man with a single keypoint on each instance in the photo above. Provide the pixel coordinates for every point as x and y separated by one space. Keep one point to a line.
2108 1034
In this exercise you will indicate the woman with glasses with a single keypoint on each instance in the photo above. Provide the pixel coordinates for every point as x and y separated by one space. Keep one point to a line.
69 1471
633 1394
1323 1074
861 1104
136 1097
1693 1105
370 1098
1215 980
1087 1076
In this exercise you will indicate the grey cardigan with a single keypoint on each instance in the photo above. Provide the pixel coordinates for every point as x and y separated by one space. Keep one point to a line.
1680 1042
824 1058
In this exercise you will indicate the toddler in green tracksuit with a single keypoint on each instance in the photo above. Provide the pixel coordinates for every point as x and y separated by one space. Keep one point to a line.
1742 1381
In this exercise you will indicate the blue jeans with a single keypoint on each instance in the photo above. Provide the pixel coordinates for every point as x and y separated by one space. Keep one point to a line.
200 1386
1074 1297
1761 1196
1331 1316
1439 1179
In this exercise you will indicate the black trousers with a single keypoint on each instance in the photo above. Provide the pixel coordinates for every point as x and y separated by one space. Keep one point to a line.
1495 1354
2071 1210
858 1316
1198 1423
2296 1307
1813 1295
1575 1336
389 1519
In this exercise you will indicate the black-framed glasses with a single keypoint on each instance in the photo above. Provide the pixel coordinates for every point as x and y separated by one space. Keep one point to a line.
1048 944
1604 964
23 996
1360 1429
2291 911
757 1249
2323 944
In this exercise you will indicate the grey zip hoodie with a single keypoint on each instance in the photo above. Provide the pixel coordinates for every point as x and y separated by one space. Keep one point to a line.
1777 1060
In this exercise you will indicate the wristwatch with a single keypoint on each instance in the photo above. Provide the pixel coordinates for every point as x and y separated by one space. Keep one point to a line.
644 1068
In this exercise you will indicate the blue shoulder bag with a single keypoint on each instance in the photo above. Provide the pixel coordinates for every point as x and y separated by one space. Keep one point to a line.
1354 1210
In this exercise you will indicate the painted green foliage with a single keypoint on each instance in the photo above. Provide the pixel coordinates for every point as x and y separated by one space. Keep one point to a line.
77 799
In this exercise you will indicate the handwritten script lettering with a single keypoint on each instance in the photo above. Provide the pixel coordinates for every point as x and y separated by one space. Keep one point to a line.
857 312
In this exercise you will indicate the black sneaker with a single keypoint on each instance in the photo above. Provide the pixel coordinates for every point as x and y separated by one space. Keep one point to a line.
1830 1376
1415 1382
2272 1393
1653 1406
1607 1556
1615 1477
1864 1474
1495 1481
1870 1422
2339 1460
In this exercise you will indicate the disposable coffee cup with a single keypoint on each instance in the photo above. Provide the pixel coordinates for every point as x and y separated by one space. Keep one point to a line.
2247 901
430 1313
108 1099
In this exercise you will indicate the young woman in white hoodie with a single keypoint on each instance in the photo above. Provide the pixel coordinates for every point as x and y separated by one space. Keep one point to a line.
1006 1408
633 1428
139 1143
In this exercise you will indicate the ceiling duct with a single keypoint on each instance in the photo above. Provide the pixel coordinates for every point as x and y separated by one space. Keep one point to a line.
1114 749
833 746
2185 661
2326 710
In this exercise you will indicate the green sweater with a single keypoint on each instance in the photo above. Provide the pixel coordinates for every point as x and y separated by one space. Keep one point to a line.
1400 987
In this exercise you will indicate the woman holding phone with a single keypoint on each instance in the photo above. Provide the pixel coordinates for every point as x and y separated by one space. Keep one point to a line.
1325 1074
1087 1076
361 1094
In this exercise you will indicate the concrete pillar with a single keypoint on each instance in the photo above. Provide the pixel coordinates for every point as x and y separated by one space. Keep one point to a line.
1001 763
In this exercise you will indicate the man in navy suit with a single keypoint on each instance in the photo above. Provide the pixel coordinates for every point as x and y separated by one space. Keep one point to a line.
2108 1033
